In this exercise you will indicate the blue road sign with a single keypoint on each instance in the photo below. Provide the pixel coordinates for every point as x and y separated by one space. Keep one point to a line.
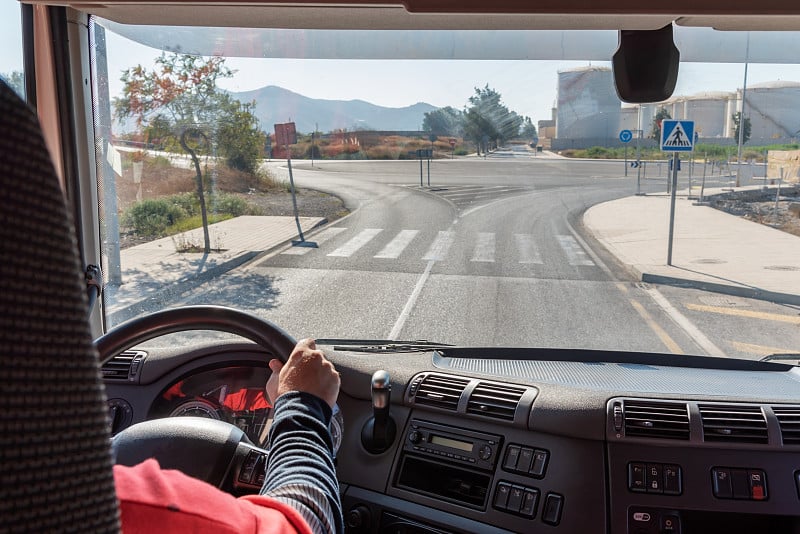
635 164
625 136
677 136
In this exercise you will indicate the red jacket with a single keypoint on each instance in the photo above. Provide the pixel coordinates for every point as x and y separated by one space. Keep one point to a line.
153 500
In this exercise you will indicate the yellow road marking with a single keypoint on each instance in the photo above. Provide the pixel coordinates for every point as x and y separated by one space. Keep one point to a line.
654 326
759 350
792 319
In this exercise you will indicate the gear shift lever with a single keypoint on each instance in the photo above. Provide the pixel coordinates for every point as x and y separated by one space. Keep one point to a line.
379 431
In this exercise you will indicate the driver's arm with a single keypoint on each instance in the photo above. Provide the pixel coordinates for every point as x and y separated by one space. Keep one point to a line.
300 470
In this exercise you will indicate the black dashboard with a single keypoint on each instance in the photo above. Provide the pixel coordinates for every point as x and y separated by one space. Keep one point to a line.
522 440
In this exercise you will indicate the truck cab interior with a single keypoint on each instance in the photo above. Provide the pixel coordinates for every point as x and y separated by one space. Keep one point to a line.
476 437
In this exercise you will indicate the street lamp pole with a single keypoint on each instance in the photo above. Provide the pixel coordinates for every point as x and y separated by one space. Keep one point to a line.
741 113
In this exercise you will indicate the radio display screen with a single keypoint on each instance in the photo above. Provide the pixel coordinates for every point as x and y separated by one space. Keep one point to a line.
452 443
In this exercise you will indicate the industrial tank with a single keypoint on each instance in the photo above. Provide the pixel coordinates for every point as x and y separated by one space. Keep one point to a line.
588 106
773 109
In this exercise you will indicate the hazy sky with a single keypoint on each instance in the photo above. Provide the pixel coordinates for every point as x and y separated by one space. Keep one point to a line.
527 87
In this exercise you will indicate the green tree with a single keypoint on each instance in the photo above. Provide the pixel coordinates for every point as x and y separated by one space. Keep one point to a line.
488 117
239 138
180 96
444 121
655 131
529 130
15 80
747 127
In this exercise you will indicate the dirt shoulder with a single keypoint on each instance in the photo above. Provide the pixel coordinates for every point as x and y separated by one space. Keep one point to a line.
310 203
759 206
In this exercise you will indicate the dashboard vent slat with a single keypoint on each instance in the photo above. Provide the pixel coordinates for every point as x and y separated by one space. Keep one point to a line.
789 420
651 419
123 366
733 424
440 391
495 400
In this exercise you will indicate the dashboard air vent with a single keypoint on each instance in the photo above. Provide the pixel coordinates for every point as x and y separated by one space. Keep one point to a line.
789 419
124 366
733 424
441 391
651 419
495 400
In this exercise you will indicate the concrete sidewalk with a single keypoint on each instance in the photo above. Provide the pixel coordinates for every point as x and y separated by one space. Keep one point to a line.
712 250
154 272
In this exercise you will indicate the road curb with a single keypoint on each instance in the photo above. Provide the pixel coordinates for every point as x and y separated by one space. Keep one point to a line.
726 289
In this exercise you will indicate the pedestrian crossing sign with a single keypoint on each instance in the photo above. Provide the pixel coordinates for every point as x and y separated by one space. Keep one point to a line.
677 136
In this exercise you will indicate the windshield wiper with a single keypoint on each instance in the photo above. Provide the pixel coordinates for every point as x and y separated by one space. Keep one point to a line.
783 357
382 345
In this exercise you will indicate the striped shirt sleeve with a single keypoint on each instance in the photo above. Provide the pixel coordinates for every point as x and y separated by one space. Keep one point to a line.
300 470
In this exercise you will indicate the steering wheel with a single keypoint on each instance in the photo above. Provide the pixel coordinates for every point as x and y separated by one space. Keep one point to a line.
202 448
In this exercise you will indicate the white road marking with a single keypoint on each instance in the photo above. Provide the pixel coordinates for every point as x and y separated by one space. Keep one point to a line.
689 327
396 246
440 246
319 239
361 239
484 249
575 254
411 302
528 252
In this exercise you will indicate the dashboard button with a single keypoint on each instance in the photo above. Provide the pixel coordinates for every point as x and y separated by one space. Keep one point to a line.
529 501
636 479
654 478
515 499
501 495
485 452
551 511
721 480
539 463
758 485
512 456
670 524
672 480
741 484
525 460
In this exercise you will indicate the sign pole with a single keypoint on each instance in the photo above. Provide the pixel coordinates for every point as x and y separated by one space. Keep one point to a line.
294 196
420 169
286 134
672 206
429 171
626 160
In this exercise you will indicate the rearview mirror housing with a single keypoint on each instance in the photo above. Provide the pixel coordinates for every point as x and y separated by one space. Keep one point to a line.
646 65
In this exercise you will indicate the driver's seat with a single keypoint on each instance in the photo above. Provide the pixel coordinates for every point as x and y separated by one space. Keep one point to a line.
55 465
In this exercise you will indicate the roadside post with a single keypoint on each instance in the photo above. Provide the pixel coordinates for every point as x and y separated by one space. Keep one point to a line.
286 134
625 136
453 148
676 136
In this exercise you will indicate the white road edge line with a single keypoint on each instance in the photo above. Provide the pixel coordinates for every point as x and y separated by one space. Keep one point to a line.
411 302
681 320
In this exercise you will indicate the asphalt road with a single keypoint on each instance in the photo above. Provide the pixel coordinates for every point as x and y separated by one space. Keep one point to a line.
491 254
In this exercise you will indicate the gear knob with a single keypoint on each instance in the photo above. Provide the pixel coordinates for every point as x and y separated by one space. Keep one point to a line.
379 431
381 390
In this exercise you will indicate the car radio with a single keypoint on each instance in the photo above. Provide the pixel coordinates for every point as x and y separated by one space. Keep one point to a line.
452 444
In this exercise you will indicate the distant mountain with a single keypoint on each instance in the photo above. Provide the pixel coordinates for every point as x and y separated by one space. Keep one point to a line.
278 105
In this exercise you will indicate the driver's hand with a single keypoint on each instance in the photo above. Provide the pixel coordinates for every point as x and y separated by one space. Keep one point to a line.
306 370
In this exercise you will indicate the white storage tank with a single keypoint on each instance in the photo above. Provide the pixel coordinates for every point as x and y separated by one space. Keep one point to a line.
709 111
588 105
773 109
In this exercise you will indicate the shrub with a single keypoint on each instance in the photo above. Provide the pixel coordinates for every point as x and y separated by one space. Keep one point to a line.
151 218
227 205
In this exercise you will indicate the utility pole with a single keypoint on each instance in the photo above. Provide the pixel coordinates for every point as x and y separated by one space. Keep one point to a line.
741 113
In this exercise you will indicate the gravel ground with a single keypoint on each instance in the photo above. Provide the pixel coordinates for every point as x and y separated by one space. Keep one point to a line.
310 203
759 206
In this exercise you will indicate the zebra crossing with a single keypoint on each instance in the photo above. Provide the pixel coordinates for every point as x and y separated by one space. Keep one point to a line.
483 246
466 195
